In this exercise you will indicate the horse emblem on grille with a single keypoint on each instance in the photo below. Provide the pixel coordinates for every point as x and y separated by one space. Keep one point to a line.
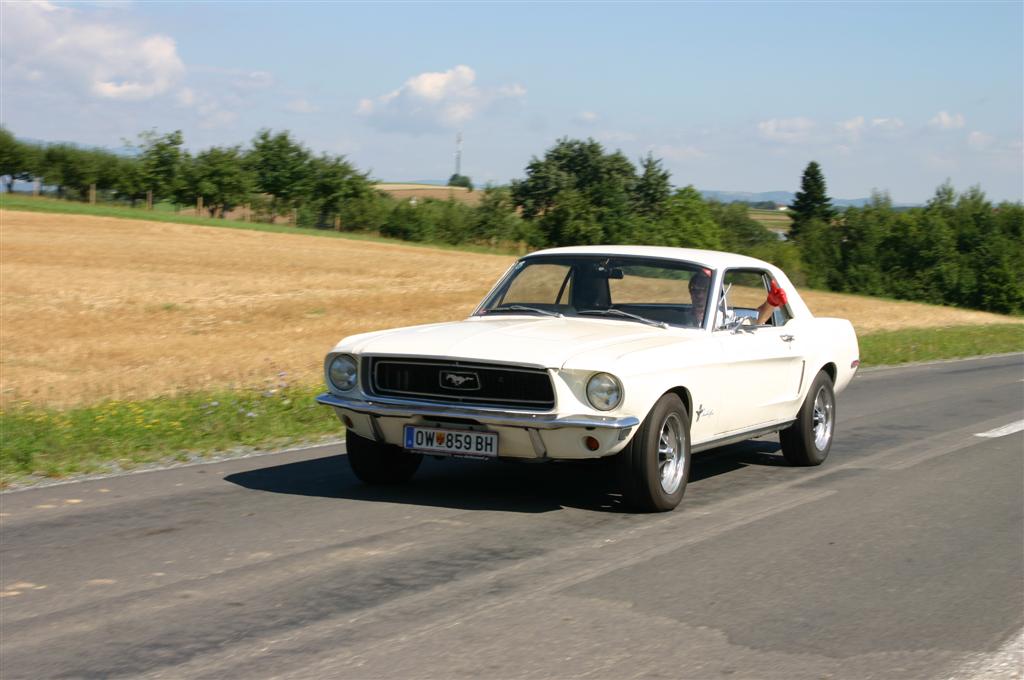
461 380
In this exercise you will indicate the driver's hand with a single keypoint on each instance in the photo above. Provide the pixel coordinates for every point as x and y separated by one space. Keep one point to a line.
776 296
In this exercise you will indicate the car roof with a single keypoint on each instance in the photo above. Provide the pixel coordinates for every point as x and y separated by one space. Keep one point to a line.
712 259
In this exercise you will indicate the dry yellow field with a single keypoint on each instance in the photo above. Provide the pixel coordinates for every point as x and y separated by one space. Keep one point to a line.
441 193
96 308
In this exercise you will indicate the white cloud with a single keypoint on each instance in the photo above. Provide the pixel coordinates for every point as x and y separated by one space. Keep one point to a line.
186 96
851 128
979 141
63 47
947 121
301 106
434 101
887 124
786 130
850 132
585 118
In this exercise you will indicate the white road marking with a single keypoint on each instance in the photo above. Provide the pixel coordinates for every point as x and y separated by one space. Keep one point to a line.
1004 430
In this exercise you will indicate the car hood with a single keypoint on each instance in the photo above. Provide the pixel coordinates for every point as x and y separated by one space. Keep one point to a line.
547 342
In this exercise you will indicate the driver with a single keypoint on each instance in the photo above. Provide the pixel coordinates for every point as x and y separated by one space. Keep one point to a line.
700 283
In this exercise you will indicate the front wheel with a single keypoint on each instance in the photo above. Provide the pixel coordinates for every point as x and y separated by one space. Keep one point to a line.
655 466
809 439
379 463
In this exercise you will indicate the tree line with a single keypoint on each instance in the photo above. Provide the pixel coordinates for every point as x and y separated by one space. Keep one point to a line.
959 249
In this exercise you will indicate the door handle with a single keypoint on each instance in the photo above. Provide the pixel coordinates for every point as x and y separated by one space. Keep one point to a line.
787 338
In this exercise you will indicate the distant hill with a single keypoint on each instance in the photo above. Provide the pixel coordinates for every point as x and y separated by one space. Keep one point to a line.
783 198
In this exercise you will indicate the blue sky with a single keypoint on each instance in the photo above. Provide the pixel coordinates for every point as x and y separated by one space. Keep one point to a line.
732 96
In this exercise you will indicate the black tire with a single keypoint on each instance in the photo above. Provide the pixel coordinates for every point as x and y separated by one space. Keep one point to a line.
643 462
809 439
376 463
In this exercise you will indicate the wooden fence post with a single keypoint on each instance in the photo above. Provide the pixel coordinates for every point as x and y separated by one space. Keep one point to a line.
92 194
199 206
149 200
36 187
337 223
295 217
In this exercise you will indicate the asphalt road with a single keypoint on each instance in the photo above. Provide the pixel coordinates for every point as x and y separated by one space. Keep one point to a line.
901 557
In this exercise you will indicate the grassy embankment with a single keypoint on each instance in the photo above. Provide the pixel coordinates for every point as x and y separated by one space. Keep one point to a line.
165 213
143 305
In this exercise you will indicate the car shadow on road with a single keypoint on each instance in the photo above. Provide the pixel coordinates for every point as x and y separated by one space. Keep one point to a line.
496 486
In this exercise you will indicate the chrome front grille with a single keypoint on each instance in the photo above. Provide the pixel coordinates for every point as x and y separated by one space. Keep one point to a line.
458 382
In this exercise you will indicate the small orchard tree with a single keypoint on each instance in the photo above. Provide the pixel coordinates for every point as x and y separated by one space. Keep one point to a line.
67 166
13 158
335 189
457 180
161 162
219 175
281 167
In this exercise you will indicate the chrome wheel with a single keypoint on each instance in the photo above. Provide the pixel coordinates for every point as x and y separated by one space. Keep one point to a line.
823 418
671 454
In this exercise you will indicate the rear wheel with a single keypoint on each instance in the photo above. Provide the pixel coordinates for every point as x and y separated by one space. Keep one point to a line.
378 463
809 439
655 466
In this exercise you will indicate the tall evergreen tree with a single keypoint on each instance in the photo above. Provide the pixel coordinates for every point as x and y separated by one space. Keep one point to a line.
653 188
812 201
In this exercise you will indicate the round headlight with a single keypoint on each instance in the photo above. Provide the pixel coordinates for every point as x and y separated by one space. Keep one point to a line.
341 372
604 391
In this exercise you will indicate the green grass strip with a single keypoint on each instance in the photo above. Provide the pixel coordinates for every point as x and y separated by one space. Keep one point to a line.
165 214
124 434
929 344
116 435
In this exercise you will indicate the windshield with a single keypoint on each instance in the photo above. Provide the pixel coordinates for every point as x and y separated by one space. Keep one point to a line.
628 289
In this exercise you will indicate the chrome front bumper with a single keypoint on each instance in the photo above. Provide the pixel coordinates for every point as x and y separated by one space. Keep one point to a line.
486 416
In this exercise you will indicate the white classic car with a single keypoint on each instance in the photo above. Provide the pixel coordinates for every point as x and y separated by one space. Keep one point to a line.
646 353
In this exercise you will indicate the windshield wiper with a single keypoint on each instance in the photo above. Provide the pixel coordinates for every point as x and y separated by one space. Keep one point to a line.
628 315
524 308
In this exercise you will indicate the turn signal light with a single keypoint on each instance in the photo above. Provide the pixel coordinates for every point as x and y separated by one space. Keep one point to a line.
591 443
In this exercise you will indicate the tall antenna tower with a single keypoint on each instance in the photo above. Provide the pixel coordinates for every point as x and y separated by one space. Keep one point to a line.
458 152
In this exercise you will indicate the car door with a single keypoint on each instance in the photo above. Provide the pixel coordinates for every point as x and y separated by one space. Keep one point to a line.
762 364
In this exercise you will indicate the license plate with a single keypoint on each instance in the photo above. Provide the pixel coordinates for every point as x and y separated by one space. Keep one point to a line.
452 442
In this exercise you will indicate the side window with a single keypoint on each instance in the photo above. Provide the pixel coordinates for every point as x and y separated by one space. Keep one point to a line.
747 290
